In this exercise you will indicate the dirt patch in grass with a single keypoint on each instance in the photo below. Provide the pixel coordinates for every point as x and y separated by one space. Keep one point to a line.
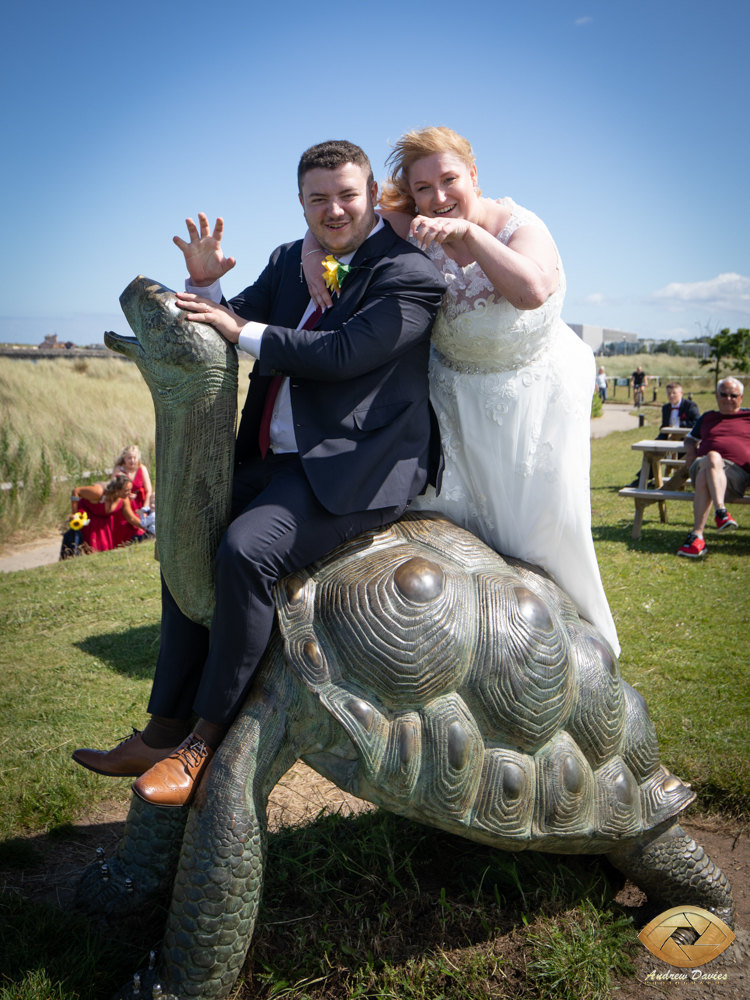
727 843
46 867
431 943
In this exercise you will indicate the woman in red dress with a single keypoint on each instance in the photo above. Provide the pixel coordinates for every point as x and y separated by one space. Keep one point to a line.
103 502
129 464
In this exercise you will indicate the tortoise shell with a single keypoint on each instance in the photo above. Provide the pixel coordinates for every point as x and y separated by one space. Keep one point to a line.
471 695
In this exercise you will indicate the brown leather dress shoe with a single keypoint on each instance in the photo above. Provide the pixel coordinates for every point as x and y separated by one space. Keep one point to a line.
172 782
129 759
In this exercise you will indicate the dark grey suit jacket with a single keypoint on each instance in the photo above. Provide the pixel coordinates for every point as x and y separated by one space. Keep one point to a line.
366 433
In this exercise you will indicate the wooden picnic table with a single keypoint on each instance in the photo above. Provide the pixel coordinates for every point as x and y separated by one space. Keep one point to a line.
677 433
657 454
654 453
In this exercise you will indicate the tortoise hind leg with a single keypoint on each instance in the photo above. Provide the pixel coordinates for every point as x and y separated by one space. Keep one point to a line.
668 865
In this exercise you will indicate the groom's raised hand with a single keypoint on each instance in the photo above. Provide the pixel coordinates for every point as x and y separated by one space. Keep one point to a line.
203 255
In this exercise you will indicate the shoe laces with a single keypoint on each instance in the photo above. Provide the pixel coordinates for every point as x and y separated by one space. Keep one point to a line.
692 537
193 753
124 739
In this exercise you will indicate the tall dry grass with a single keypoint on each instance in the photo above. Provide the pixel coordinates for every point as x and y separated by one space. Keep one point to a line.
61 419
665 366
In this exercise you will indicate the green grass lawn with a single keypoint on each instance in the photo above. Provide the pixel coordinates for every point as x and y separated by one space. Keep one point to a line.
683 625
400 910
80 639
79 644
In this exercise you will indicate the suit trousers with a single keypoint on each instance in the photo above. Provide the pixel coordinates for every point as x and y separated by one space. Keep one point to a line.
278 526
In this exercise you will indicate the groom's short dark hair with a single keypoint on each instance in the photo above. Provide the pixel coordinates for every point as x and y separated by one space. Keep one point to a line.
332 154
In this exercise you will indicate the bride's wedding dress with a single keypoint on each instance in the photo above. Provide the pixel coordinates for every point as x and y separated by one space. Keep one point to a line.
512 391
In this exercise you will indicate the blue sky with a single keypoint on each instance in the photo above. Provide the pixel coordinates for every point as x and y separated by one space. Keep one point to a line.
623 125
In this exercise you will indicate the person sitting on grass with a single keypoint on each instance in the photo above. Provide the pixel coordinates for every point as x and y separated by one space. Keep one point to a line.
102 501
718 456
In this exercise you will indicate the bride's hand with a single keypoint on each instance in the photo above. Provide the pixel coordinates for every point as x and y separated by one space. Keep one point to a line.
312 258
426 230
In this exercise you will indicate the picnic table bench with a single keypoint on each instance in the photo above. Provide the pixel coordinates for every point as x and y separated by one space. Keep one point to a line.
658 455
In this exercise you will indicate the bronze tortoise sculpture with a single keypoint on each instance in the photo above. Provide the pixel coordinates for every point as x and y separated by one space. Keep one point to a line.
416 669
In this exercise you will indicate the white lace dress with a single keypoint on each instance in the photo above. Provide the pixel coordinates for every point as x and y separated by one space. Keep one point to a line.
512 391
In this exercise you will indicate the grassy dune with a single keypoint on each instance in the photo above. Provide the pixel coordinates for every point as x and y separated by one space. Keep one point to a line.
696 378
61 419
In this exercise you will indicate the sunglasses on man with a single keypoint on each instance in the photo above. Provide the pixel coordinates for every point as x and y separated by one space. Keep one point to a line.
730 395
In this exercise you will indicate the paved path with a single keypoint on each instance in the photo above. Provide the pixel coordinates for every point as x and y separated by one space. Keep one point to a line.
614 418
38 553
47 550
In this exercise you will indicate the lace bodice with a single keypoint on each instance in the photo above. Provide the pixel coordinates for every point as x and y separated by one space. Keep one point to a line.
479 330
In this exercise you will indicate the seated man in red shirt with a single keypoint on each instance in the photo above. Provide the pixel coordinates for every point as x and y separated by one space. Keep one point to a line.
718 456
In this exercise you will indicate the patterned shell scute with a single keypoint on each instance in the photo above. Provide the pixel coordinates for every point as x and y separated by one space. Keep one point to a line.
452 762
618 807
597 720
520 685
413 616
662 796
366 726
439 533
565 790
504 805
640 748
543 586
401 763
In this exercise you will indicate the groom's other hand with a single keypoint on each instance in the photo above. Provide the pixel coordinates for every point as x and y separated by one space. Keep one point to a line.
203 254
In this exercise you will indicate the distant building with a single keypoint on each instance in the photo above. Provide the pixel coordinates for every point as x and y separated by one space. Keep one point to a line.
602 340
50 343
591 335
694 348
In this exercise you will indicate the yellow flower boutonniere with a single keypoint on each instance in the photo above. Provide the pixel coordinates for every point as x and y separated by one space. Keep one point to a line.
334 273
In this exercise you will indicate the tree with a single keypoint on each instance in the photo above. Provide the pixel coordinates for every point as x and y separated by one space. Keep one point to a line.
728 350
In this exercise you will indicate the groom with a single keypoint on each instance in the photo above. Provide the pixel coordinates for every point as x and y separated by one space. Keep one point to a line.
337 436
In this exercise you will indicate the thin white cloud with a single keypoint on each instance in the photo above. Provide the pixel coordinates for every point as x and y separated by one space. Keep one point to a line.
725 293
597 299
584 20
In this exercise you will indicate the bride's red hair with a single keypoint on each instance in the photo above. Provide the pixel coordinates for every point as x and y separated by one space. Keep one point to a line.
412 146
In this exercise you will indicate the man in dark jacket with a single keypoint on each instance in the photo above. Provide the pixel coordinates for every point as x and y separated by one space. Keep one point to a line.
337 436
678 412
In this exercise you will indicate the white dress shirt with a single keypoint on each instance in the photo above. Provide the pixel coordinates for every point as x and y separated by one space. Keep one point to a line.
283 440
674 416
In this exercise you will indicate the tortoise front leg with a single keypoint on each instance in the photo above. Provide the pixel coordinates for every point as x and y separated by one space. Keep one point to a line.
149 848
673 870
220 875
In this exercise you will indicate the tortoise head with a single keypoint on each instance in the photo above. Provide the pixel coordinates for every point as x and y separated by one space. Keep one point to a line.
165 344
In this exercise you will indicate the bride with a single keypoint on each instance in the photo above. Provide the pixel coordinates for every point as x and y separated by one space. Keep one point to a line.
511 383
